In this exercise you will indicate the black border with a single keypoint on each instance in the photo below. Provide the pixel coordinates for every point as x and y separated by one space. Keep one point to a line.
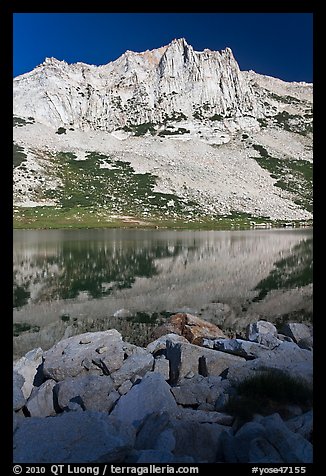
7 9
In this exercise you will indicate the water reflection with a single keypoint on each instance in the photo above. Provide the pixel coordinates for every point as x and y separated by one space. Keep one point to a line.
71 281
74 268
293 271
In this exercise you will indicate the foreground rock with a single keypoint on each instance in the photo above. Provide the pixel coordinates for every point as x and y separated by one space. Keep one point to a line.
300 333
302 424
264 333
258 329
159 344
198 390
151 394
267 441
82 437
201 416
155 433
293 447
242 348
191 327
202 440
186 358
287 357
135 366
30 367
18 396
95 398
95 352
91 392
41 402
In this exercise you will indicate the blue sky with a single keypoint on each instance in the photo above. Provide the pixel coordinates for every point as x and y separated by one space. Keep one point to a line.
276 44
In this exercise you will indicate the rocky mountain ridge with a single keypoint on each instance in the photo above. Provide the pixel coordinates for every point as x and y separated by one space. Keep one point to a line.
136 88
187 108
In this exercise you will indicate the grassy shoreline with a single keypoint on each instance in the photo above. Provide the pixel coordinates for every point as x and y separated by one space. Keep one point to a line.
103 192
51 218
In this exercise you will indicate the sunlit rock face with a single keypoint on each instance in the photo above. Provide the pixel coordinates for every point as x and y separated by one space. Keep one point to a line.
169 83
203 129
136 88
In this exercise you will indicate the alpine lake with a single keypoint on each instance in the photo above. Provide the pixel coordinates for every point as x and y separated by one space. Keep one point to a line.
67 282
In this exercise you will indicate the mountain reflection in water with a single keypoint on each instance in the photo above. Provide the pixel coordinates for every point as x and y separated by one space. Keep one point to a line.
67 281
95 268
